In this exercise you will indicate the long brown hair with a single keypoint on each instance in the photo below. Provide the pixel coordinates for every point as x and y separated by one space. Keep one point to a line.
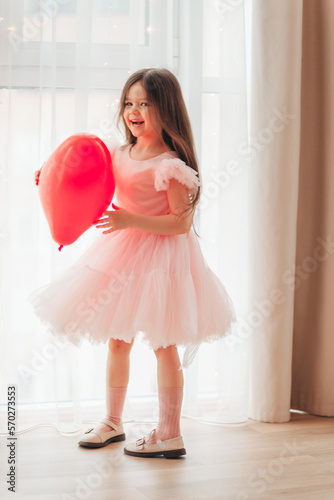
164 92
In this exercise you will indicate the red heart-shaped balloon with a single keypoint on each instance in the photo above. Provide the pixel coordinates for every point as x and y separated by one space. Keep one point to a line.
76 186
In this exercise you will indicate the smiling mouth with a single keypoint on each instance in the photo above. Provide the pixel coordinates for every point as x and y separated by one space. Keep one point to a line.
137 123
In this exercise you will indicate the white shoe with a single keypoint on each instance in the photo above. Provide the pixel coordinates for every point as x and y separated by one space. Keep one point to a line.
170 448
94 438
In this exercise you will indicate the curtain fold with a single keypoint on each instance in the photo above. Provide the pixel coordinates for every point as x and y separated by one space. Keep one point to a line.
291 209
274 148
313 341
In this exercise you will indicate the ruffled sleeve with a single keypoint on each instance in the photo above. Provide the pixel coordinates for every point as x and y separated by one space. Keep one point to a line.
179 170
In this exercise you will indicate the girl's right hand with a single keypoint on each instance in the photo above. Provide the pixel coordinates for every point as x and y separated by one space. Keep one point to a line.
37 174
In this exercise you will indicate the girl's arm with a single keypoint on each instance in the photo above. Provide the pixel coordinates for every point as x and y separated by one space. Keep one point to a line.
168 224
161 224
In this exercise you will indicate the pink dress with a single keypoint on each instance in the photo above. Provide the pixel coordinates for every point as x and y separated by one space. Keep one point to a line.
131 282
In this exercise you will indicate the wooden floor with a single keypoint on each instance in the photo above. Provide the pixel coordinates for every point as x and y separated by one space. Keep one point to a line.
294 460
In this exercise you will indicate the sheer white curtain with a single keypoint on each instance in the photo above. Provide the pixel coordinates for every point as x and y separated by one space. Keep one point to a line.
276 169
63 65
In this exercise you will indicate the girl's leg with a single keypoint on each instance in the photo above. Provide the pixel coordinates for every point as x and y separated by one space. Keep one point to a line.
170 390
117 379
118 363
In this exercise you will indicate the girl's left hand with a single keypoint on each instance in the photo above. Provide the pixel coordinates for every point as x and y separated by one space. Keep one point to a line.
115 219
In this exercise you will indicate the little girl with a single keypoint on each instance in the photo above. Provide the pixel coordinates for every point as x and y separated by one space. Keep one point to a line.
145 273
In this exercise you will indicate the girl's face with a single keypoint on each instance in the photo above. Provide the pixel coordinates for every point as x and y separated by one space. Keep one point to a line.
139 113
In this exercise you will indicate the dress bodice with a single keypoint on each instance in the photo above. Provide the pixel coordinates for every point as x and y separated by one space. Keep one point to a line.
141 184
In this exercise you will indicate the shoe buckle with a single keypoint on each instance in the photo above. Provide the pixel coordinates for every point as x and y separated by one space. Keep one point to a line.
140 443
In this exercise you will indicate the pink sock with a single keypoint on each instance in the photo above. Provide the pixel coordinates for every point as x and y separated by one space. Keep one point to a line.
115 398
170 403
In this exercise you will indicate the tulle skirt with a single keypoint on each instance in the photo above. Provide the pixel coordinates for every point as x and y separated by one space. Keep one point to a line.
131 282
